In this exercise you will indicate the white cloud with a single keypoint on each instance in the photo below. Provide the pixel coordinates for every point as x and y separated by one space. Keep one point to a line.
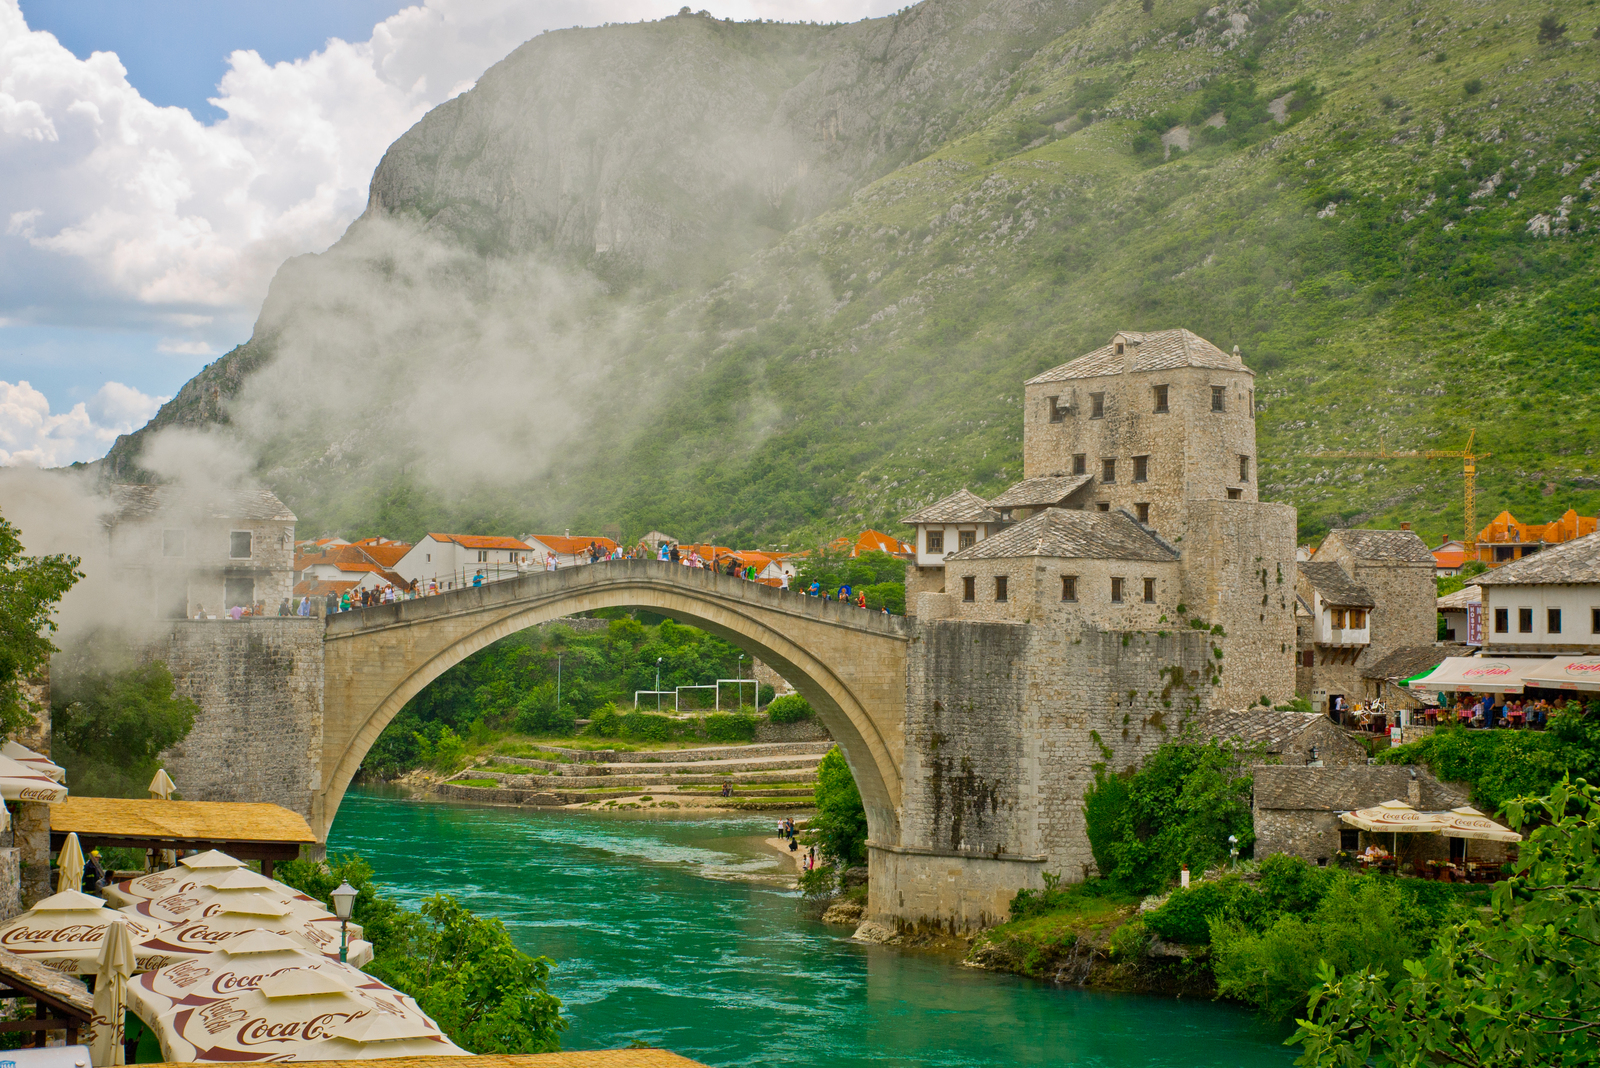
179 347
31 437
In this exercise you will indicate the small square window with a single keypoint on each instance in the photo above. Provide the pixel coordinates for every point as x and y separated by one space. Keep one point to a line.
966 539
1338 619
239 545
1235 493
1116 591
969 588
1524 621
1552 621
1069 588
1350 839
1108 470
1244 469
1219 398
1358 618
1149 591
1119 348
1141 468
1057 413
1000 587
173 543
936 541
1142 510
1102 506
1161 400
1502 621
1080 463
1097 405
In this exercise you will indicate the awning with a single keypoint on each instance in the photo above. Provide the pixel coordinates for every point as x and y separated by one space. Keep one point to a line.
1394 816
1566 673
1468 822
1479 674
19 782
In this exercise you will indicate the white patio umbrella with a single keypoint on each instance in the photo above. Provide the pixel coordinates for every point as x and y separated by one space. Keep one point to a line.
1393 816
37 761
162 787
69 865
1467 822
187 874
19 782
64 931
204 933
115 965
237 963
301 1014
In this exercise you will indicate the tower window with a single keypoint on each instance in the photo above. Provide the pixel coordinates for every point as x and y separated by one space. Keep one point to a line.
239 545
1142 510
969 588
1080 463
1244 469
1161 399
1108 470
1235 494
936 541
1097 405
1219 398
1000 587
1069 588
1116 591
1594 621
1149 591
1057 413
1141 468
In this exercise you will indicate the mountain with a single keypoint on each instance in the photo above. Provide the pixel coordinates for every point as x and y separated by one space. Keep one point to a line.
762 282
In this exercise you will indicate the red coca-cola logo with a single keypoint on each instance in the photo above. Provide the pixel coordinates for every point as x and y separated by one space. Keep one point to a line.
1497 671
72 932
1587 667
259 1031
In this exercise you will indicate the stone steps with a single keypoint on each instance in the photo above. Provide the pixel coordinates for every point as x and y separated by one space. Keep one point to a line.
613 782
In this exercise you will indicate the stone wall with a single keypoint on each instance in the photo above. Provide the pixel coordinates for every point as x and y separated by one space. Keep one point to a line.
30 832
10 883
36 691
258 683
921 580
1033 592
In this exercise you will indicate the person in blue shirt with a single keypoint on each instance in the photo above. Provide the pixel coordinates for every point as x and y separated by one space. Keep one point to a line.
477 579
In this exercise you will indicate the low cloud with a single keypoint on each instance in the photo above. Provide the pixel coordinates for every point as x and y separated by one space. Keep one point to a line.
31 436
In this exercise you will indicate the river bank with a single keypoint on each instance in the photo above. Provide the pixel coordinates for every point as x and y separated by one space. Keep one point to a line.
660 933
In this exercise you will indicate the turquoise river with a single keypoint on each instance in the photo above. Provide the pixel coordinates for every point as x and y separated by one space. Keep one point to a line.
660 933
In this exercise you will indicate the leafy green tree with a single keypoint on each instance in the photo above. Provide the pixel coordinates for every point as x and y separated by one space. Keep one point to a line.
30 589
1517 988
110 726
839 826
790 708
1551 30
874 572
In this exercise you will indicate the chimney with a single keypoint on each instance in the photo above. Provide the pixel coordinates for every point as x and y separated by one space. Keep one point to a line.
1405 526
1414 790
1237 359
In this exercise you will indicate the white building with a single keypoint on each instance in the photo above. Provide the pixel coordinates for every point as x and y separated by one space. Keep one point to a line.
1454 607
1546 604
570 550
454 560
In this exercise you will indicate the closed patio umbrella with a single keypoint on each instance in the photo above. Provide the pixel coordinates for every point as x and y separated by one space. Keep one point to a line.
69 865
115 965
162 787
64 931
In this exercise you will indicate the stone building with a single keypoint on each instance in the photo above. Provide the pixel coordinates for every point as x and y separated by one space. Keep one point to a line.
1297 809
1131 582
182 552
1270 736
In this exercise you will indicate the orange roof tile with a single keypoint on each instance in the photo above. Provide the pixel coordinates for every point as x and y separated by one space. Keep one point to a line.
1453 558
387 554
310 588
477 541
572 544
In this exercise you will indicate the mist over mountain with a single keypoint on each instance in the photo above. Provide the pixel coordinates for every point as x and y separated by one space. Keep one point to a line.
761 282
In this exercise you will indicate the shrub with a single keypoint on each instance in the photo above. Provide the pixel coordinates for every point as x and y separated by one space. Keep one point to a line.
649 727
764 695
444 753
606 722
731 726
1056 897
791 708
1128 941
1186 916
840 823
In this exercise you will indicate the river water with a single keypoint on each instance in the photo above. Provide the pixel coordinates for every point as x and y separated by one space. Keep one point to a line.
659 934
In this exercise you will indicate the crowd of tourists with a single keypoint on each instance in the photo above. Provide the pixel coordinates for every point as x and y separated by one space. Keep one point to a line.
1491 711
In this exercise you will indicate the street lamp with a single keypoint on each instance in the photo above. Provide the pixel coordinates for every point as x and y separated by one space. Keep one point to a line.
558 684
1233 850
658 682
344 896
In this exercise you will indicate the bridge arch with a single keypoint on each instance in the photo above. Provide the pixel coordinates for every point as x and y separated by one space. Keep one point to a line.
850 664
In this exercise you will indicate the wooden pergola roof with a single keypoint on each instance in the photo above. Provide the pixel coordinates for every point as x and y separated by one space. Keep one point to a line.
61 1002
598 1058
247 830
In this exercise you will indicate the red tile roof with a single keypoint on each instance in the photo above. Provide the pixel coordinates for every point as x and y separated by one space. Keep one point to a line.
309 588
573 544
476 541
388 554
1449 558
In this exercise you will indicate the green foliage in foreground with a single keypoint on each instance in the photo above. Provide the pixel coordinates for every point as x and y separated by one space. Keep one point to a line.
1502 765
110 725
790 708
1179 808
839 826
463 970
30 589
1517 988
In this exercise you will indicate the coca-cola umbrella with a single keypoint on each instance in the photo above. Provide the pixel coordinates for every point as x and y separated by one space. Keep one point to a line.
64 931
301 1014
19 782
235 964
238 890
37 761
206 933
189 873
1394 817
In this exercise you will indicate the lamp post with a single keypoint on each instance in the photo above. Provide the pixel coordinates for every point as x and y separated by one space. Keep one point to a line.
1233 851
658 682
344 896
558 684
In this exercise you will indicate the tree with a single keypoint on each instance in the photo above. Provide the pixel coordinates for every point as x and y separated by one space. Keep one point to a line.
1518 987
1551 30
840 823
111 725
30 589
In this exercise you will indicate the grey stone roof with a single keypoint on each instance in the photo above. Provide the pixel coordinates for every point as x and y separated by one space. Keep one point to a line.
1160 351
22 973
1068 534
1296 787
1266 727
1041 492
1399 545
1576 561
136 500
962 506
1458 601
1411 660
1336 587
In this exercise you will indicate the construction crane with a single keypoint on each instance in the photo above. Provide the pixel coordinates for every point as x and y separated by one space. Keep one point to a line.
1469 472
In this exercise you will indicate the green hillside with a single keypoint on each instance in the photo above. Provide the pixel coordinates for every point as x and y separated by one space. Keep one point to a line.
1389 212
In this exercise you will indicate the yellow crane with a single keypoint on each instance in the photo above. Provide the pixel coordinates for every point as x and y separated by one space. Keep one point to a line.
1469 472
